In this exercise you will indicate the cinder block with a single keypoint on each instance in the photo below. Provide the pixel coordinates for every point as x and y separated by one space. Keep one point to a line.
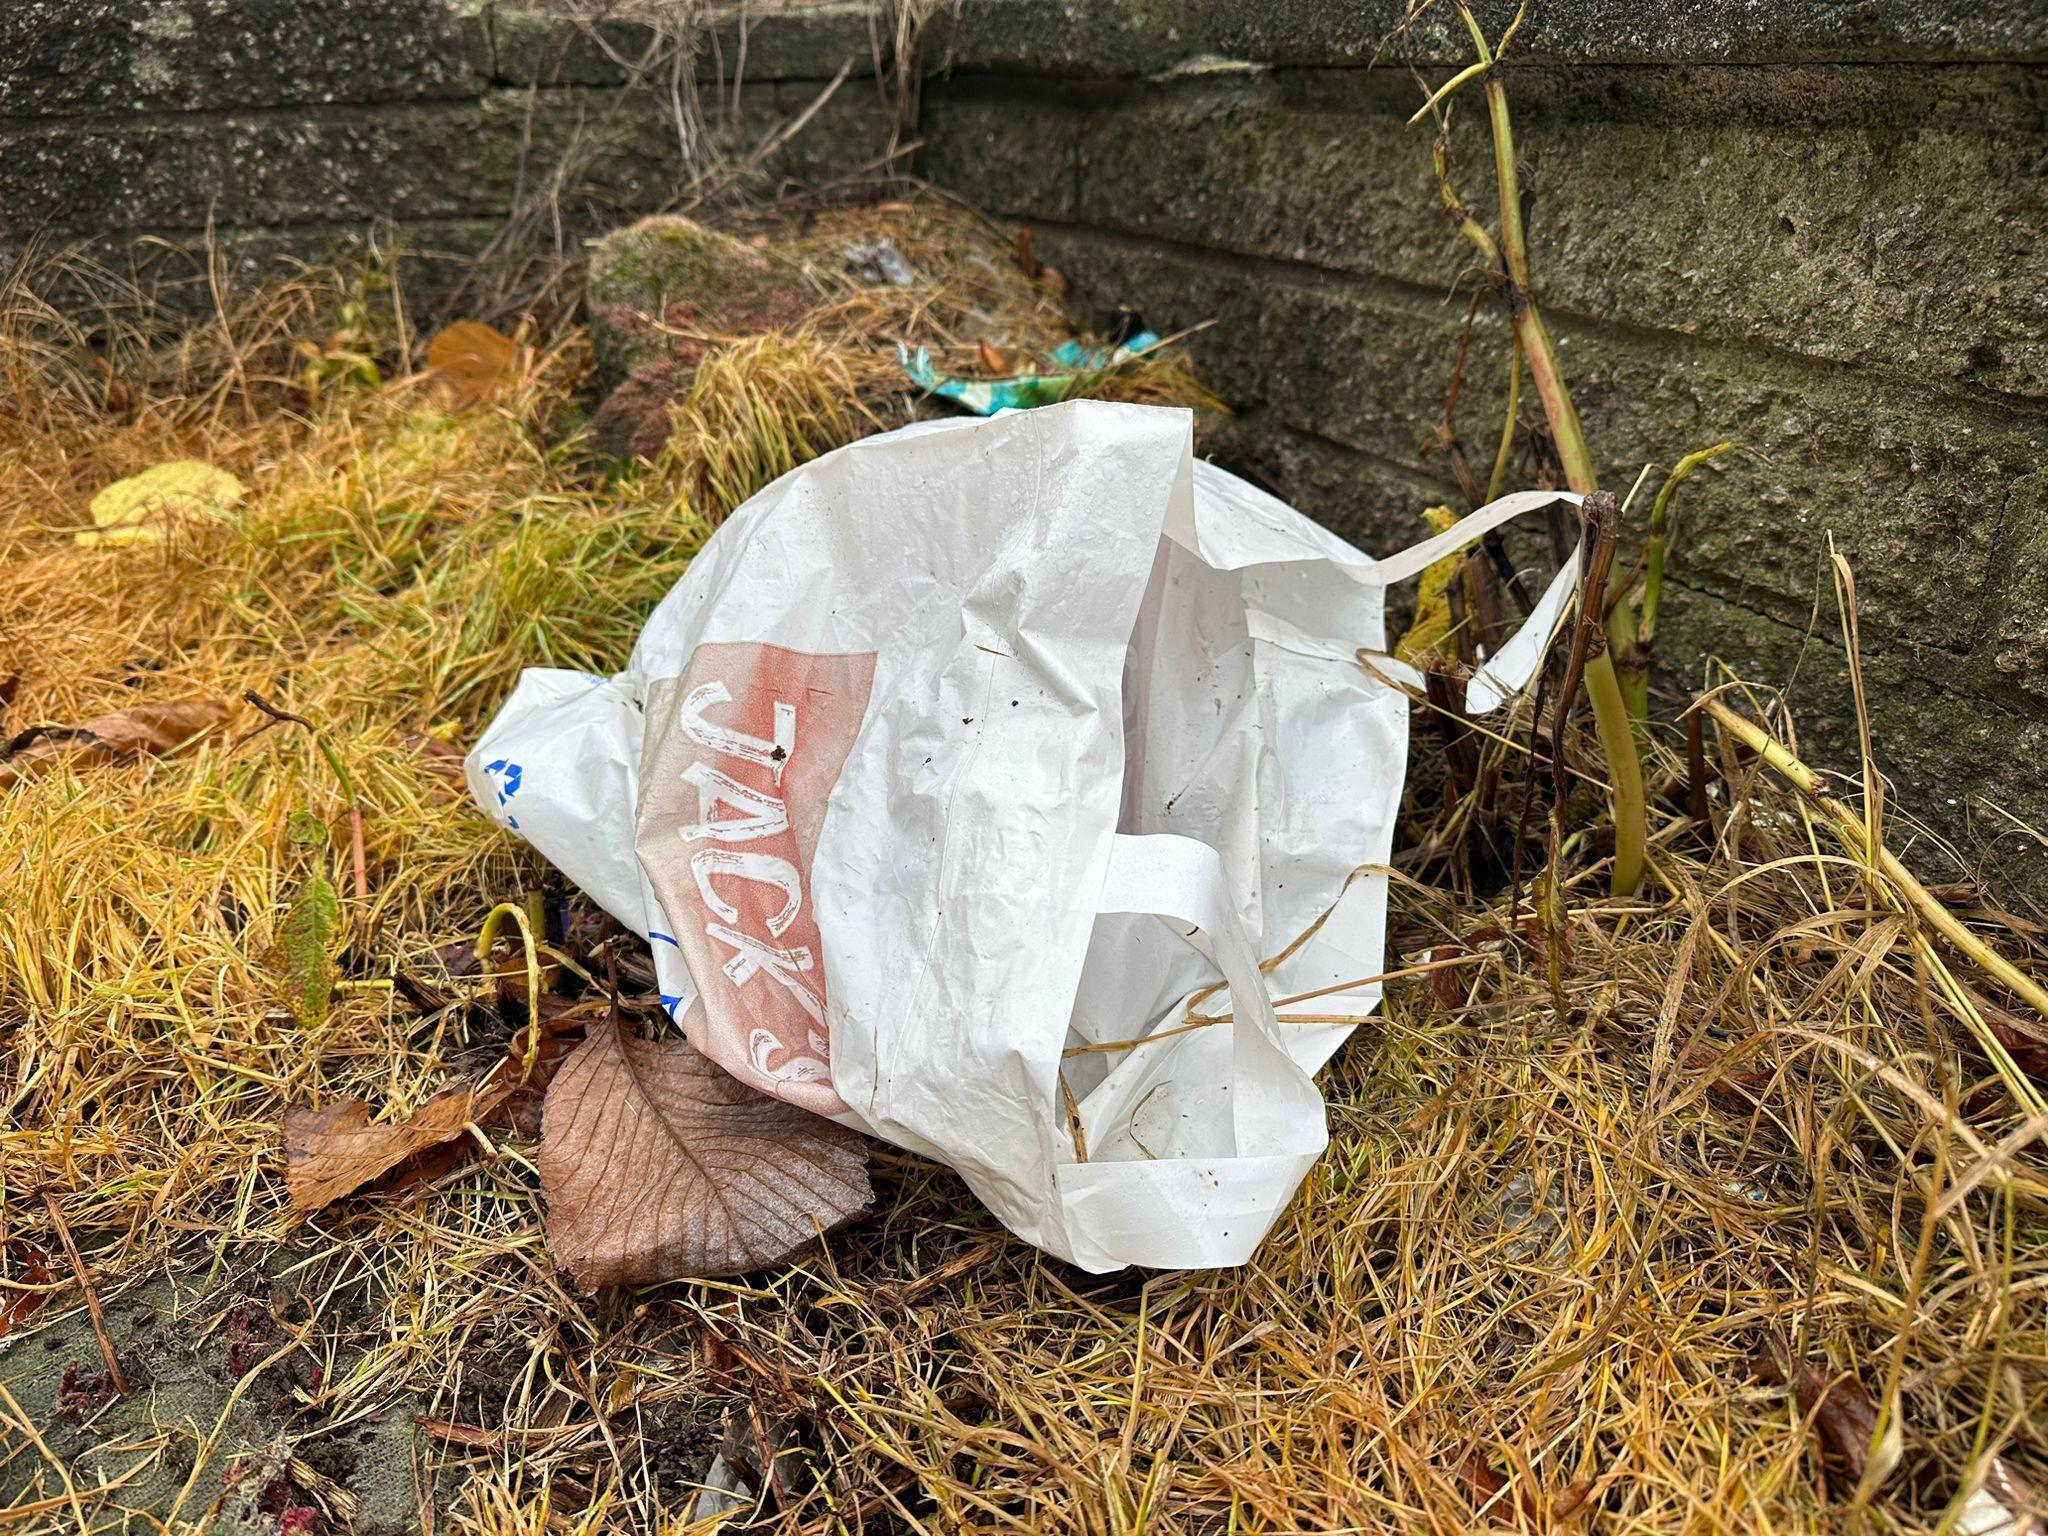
1639 31
1894 223
120 57
1016 156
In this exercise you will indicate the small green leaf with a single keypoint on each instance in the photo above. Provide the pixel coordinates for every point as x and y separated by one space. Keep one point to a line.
304 941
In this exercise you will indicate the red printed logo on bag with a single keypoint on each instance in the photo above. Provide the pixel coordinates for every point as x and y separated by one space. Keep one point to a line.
741 755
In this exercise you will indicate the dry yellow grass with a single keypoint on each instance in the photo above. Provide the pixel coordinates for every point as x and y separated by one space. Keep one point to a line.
1524 1288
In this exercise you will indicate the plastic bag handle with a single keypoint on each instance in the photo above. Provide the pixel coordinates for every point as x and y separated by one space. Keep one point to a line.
1508 670
1419 557
1194 1211
1181 879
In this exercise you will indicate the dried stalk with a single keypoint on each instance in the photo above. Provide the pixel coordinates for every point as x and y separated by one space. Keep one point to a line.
1898 887
1937 916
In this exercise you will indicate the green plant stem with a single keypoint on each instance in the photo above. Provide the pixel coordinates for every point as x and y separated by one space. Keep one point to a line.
1544 373
1660 523
1638 657
1545 376
1610 719
1507 426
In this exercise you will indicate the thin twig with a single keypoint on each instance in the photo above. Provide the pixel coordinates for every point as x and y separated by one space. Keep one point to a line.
358 859
92 1300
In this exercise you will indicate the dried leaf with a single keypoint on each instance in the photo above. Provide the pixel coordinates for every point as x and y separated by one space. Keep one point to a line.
1487 1486
992 361
335 1151
118 398
144 729
459 959
18 1308
516 1101
332 1152
1449 985
1026 257
1486 1483
461 1434
1844 1419
2028 1050
1741 1088
658 1166
135 510
1570 1501
468 360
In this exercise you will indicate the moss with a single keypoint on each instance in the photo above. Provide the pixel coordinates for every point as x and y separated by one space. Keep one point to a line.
646 262
667 273
656 289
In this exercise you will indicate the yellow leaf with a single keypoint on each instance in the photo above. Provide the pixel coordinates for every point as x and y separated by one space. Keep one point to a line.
1425 637
468 360
135 510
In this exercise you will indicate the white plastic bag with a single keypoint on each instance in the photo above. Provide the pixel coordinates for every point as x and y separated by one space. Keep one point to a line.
969 755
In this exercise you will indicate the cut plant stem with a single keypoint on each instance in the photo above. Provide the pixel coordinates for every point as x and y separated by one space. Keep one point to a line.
1637 659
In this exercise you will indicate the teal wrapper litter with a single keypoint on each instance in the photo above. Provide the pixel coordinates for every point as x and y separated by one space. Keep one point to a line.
1075 363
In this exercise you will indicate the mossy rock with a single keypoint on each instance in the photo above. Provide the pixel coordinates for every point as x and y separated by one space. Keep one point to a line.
656 290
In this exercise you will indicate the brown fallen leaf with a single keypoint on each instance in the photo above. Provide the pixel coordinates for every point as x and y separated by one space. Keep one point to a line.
335 1151
141 730
1741 1088
467 360
117 399
32 1272
1486 1487
991 361
1448 985
516 1106
457 1433
1843 1417
658 1166
1026 257
1570 1501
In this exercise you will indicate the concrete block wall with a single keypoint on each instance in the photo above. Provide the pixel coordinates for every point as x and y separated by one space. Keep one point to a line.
288 128
1820 229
